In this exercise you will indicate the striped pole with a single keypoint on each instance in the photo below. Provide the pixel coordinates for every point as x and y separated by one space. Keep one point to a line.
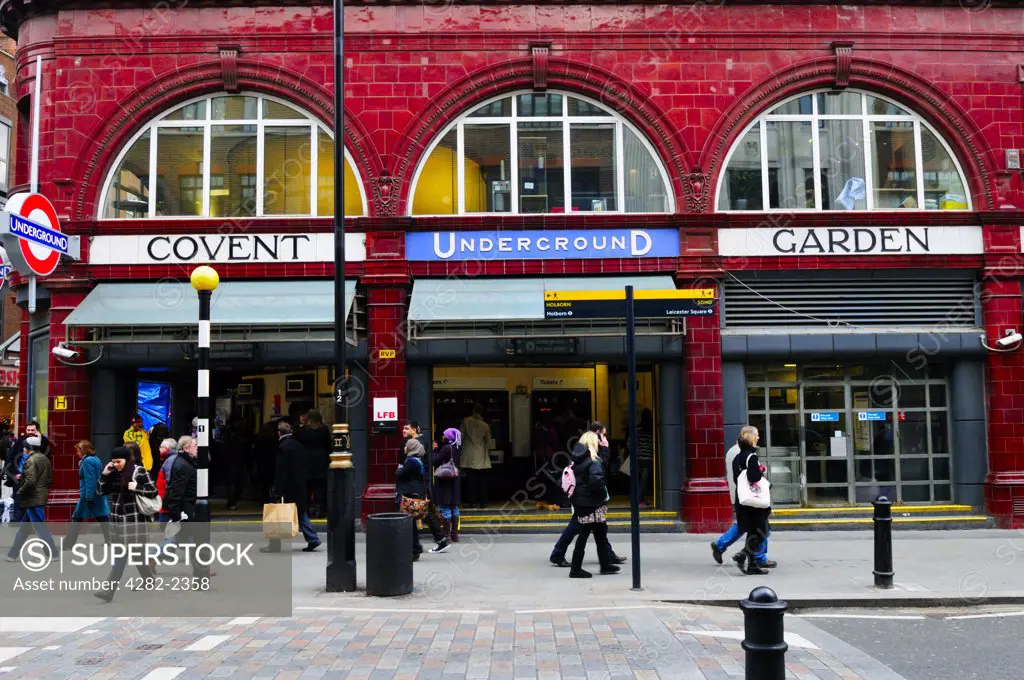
204 280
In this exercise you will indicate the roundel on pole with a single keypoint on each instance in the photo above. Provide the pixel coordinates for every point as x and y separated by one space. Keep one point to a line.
37 209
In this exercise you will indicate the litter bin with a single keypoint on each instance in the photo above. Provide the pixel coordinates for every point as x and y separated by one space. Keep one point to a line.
389 554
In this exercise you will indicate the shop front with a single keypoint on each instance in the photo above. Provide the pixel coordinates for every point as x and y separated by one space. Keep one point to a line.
542 379
862 383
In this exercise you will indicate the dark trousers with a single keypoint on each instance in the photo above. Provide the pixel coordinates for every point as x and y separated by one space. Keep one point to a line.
646 473
475 486
235 480
572 529
600 531
76 528
117 572
432 524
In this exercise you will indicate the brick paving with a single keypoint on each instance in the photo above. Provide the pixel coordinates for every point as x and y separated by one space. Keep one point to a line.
649 643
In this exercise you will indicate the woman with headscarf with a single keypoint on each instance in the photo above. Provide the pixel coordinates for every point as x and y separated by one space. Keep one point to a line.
447 488
413 499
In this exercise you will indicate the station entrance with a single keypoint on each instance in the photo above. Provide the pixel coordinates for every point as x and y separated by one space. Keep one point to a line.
536 415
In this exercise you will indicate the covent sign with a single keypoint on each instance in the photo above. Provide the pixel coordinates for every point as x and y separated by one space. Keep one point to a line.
222 248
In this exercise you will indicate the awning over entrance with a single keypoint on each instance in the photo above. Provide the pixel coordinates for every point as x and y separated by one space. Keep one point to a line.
235 303
468 299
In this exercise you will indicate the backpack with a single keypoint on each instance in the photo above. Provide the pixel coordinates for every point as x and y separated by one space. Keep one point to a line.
568 481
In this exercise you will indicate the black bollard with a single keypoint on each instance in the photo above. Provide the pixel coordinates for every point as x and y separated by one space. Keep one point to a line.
883 542
764 635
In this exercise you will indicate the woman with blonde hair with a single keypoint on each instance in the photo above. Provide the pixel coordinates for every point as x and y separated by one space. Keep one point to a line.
589 505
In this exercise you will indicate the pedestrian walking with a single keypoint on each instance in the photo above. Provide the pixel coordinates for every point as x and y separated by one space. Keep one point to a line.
412 497
752 521
15 460
722 543
644 465
136 434
476 457
589 506
316 437
572 529
447 482
168 451
122 481
33 494
291 482
91 504
157 435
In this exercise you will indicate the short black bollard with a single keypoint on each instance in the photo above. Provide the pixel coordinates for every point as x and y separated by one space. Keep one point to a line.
764 635
883 542
389 554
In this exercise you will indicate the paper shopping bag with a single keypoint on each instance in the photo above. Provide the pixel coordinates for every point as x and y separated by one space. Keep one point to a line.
280 521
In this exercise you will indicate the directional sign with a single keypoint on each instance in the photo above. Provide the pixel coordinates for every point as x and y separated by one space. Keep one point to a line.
827 417
871 415
611 304
31 235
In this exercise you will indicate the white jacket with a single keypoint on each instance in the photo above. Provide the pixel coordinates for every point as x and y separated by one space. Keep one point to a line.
476 444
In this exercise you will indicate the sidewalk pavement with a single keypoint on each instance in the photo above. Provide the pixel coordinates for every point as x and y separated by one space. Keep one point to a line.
512 573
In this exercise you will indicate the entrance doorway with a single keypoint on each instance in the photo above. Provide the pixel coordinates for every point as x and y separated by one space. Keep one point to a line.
841 435
537 414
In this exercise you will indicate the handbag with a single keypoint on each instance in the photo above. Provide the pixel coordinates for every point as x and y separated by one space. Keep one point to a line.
146 505
417 508
624 468
446 470
753 494
280 521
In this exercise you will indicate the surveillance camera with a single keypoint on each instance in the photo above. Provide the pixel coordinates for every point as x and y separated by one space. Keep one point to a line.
1011 339
64 353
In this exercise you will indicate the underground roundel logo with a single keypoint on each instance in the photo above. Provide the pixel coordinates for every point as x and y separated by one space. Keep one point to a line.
40 241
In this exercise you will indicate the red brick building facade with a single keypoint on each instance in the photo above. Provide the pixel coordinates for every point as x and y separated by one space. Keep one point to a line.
691 81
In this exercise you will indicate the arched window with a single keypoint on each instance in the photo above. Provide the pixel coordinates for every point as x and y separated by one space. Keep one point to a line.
540 153
841 151
230 156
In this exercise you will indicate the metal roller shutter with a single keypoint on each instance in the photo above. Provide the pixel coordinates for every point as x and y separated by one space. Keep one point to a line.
838 299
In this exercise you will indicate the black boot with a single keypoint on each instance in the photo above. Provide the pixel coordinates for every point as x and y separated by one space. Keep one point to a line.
105 595
751 568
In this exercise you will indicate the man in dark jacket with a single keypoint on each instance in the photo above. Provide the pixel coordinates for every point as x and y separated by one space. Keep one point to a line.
182 487
291 482
33 494
179 501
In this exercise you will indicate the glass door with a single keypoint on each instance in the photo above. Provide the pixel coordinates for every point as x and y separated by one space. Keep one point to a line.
826 446
874 440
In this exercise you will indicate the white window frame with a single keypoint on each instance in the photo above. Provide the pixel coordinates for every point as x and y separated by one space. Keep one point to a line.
260 123
566 120
814 117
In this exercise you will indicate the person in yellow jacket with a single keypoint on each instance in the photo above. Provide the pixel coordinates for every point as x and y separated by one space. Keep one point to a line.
137 434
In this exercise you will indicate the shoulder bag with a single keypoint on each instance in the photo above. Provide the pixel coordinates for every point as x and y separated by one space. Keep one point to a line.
753 494
146 505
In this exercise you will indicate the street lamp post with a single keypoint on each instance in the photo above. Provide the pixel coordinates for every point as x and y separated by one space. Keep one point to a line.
341 539
205 280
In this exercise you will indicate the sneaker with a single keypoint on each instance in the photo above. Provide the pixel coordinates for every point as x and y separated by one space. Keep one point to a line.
559 562
609 569
311 547
105 595
716 552
767 564
11 559
754 570
580 573
441 546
